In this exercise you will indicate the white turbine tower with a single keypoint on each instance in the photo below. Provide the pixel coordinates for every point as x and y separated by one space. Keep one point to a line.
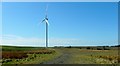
46 22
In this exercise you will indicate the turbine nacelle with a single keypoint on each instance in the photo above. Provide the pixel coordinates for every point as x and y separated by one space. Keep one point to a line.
46 20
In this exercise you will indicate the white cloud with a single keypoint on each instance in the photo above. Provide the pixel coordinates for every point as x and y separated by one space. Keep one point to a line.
8 37
20 41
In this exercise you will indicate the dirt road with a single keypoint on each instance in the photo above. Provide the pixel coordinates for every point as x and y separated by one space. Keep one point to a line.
62 59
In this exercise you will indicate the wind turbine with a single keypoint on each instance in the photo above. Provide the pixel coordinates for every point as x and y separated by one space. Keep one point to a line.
46 22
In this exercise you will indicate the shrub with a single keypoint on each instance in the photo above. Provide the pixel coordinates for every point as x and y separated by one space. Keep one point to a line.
14 55
88 47
99 49
23 54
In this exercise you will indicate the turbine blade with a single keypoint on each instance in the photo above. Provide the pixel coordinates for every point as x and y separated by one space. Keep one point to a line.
41 22
46 9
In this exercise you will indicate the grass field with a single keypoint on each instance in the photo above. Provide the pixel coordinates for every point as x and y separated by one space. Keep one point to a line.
38 55
17 48
26 55
94 56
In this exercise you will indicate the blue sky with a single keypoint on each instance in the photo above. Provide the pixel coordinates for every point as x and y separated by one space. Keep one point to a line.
71 23
60 0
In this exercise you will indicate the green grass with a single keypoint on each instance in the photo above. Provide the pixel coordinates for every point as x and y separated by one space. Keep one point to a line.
16 48
92 56
78 56
33 59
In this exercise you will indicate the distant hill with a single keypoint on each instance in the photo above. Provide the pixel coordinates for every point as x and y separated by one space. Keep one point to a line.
92 47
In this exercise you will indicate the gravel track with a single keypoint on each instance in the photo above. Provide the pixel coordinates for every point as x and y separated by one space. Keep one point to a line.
62 59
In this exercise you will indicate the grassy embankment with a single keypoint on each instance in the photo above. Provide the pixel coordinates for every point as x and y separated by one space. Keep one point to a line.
27 55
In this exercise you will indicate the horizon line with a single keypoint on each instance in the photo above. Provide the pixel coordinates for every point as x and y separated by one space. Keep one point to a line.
60 46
